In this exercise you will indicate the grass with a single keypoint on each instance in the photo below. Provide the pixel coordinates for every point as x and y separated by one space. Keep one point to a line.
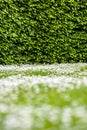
43 97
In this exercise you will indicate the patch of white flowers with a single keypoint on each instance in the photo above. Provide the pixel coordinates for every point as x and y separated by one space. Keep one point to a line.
26 117
61 68
61 83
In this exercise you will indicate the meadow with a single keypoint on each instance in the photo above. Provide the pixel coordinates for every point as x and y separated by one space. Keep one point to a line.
43 97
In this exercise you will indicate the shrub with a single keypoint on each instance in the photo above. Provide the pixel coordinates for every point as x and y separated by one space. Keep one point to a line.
43 31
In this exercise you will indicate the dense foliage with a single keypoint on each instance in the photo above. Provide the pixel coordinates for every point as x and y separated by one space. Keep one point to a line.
43 31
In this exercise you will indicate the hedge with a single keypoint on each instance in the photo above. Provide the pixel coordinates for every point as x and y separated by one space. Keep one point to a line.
43 31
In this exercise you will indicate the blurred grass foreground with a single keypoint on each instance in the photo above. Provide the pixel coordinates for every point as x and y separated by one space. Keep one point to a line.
43 97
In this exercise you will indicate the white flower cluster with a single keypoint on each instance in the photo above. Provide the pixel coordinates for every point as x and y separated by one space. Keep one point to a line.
26 117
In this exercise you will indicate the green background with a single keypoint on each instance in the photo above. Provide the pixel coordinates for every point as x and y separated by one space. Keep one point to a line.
43 31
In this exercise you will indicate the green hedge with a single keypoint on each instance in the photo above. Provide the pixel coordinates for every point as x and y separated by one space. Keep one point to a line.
43 31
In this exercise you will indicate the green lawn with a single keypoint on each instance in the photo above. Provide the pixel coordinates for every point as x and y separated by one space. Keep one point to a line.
43 97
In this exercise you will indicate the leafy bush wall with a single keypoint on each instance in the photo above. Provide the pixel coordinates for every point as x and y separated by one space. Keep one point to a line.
43 31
